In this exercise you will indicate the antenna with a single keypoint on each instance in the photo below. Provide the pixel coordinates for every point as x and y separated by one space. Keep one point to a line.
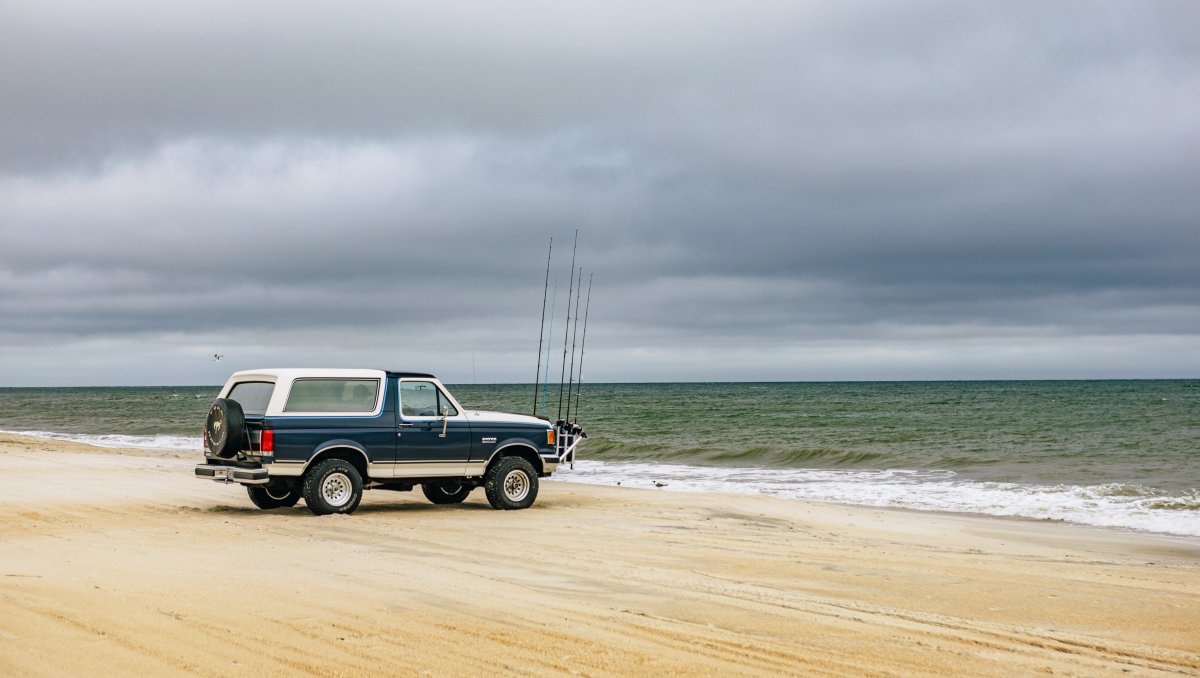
583 343
574 333
537 374
566 332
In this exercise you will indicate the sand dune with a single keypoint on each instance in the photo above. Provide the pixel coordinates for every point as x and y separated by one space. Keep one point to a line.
121 563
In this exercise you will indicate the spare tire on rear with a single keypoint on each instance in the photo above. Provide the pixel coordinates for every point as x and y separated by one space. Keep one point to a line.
225 427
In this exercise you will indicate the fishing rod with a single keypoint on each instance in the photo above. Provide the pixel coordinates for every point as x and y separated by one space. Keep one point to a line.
537 374
566 331
574 334
583 344
546 379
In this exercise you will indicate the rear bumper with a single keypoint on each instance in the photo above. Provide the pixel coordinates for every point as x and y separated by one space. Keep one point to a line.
232 474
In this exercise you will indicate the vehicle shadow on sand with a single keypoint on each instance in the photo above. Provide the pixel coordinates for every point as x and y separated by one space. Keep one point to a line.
371 508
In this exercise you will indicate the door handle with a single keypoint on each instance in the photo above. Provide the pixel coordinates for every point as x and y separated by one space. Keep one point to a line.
404 425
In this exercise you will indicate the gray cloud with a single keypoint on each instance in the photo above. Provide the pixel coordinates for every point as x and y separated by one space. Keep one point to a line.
865 190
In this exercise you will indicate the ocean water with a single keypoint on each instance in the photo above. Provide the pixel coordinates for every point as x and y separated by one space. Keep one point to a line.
1120 454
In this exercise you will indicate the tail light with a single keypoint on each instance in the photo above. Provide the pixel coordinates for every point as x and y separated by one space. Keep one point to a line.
266 443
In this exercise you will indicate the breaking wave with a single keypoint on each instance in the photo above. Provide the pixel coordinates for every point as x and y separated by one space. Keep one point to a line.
759 455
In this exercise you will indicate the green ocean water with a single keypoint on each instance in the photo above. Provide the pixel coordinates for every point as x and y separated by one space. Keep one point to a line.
1117 453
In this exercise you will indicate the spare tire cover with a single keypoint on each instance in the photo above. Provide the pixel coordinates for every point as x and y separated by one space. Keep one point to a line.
225 427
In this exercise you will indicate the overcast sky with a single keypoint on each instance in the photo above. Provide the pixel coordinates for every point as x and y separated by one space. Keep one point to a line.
763 191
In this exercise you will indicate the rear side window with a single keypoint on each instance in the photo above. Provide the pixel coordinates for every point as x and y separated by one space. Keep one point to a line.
253 396
332 395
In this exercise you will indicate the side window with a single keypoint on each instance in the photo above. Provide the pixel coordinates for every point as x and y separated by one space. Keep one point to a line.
418 399
332 395
253 396
424 399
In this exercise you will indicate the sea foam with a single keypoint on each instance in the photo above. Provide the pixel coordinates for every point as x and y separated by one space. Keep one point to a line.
1116 506
151 442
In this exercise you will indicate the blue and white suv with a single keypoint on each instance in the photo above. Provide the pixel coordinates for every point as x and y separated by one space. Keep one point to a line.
328 434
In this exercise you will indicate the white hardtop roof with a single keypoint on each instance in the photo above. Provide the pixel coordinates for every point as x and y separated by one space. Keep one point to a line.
290 373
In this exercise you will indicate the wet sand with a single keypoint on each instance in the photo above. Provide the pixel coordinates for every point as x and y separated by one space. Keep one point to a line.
119 562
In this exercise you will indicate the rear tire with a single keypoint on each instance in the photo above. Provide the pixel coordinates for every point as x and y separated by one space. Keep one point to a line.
332 486
511 484
275 494
446 491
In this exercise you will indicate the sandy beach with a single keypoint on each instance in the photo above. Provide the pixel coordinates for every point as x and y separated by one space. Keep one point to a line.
120 562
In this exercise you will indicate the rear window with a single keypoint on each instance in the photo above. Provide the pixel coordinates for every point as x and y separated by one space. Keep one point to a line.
332 395
253 396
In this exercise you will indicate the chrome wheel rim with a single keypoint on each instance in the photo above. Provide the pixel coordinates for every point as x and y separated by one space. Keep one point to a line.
278 493
516 485
336 489
449 489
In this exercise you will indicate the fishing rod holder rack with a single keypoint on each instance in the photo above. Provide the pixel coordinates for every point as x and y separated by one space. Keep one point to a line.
567 437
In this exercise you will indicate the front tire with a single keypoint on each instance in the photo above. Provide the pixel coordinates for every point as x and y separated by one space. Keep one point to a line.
333 486
446 492
275 494
511 484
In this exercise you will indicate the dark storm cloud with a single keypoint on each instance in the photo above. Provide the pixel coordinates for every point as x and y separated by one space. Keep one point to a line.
902 178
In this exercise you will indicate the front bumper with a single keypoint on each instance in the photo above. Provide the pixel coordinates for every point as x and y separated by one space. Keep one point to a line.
232 474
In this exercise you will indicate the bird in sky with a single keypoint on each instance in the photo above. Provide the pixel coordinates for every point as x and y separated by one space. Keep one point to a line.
217 357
